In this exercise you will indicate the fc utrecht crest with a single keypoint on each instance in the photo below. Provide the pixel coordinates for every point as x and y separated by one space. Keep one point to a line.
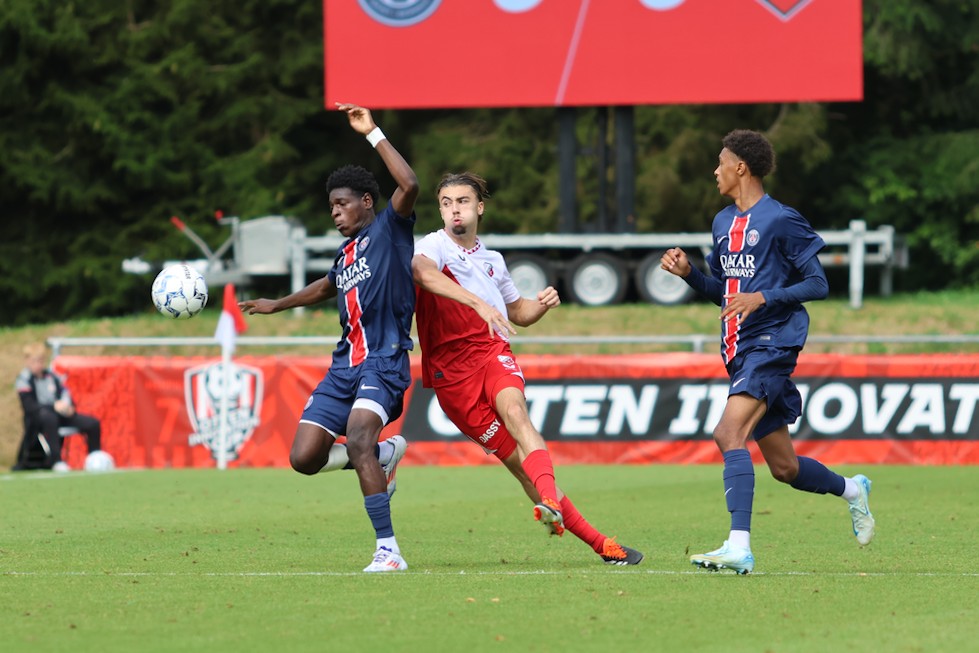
204 387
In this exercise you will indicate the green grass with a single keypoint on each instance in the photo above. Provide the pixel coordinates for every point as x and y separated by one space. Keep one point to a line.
266 559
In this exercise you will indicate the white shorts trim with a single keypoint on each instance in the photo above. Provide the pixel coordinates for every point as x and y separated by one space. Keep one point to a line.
309 421
373 406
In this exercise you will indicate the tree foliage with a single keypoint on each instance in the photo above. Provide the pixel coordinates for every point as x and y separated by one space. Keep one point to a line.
117 115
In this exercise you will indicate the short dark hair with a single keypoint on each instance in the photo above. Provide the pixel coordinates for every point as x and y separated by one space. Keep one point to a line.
471 179
355 178
752 148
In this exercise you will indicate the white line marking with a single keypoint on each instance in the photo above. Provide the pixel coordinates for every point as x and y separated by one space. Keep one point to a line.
540 572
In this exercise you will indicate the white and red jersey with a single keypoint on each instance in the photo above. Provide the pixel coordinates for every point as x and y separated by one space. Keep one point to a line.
454 339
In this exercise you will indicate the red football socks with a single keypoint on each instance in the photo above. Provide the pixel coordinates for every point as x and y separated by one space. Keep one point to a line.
580 528
540 469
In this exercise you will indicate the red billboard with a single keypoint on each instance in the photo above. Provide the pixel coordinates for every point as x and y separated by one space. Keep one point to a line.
494 53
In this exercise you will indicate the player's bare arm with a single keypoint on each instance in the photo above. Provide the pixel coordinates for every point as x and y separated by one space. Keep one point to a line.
429 278
314 293
524 312
675 260
403 199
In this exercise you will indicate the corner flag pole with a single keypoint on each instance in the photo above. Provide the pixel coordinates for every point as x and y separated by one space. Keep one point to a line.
230 324
223 410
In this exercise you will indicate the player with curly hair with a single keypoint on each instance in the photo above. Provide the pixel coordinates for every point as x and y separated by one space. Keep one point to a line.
763 267
365 385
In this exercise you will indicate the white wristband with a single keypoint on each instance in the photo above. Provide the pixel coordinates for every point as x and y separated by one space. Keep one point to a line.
375 137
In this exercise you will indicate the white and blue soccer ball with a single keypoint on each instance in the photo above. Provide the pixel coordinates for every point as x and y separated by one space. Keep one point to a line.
179 292
99 461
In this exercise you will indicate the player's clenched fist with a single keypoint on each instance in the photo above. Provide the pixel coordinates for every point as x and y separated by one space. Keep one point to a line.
675 261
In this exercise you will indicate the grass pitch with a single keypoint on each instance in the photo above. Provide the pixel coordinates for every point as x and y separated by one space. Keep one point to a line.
268 560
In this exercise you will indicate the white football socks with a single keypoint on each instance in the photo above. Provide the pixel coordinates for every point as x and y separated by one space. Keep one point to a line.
389 543
338 456
740 539
850 490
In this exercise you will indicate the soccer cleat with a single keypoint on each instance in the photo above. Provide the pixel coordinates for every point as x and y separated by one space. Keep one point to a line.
863 521
738 560
400 446
614 553
386 560
548 513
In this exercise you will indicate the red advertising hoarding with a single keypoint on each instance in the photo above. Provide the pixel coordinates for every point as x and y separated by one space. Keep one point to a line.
654 408
494 53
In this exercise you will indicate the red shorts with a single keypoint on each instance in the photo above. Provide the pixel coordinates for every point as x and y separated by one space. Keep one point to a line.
471 403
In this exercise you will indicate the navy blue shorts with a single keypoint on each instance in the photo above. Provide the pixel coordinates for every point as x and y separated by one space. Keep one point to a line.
377 384
764 373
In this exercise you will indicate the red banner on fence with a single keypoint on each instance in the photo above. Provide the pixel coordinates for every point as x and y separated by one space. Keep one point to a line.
163 412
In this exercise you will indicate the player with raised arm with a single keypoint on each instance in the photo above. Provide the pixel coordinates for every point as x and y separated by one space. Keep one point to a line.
364 387
466 301
764 267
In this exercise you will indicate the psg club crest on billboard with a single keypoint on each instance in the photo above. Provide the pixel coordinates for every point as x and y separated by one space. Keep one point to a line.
205 388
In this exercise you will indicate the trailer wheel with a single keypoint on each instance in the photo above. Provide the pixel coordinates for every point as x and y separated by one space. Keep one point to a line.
658 286
596 280
530 274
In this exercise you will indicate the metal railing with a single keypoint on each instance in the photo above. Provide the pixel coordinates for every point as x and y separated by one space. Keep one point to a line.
696 342
855 248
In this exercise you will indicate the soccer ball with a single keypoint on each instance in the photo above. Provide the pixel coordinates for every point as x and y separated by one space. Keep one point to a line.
99 461
180 292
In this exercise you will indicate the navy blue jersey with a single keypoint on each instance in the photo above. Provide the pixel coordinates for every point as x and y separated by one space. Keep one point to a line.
761 250
375 290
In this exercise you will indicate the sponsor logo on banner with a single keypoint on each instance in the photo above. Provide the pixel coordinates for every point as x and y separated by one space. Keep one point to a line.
628 409
399 13
205 388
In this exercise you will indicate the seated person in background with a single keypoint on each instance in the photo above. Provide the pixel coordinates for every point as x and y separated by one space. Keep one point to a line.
47 407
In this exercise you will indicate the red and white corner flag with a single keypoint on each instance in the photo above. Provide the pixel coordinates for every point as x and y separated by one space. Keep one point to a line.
231 323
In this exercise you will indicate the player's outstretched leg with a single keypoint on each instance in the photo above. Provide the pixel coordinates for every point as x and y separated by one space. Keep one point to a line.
610 551
738 560
863 520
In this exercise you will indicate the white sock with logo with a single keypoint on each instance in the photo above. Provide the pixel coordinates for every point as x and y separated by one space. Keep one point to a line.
389 543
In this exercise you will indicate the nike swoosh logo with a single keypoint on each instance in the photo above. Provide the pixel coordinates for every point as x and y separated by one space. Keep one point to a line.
736 383
369 387
728 490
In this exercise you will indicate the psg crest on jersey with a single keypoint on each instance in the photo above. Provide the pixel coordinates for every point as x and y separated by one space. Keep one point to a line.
399 13
752 237
205 388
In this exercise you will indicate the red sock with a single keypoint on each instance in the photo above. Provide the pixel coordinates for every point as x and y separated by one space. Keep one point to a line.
540 469
579 526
